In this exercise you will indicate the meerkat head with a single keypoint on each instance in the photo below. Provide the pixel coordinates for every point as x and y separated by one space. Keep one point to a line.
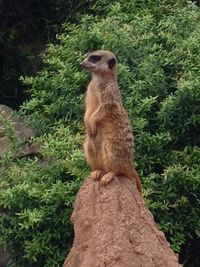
100 62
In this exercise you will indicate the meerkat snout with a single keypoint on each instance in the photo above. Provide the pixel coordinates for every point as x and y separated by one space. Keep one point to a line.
90 63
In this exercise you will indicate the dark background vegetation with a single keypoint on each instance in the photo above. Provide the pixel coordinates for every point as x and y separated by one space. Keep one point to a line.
157 44
25 28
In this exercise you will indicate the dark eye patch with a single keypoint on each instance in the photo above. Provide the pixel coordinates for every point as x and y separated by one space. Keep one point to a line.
94 58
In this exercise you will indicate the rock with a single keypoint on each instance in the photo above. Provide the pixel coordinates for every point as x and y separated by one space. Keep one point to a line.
114 228
4 144
23 133
4 257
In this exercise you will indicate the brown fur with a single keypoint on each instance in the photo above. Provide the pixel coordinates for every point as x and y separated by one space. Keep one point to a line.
109 139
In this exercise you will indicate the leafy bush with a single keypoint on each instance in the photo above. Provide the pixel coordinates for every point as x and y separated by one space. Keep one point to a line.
157 45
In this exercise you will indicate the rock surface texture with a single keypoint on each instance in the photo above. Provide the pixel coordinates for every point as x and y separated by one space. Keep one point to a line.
22 131
114 228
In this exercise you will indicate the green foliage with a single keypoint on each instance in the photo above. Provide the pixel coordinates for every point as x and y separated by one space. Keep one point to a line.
36 200
157 45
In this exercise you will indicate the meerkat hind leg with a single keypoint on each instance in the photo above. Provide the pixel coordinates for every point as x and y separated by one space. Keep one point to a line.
107 178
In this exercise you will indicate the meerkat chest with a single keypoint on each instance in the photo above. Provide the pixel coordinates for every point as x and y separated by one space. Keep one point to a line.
92 97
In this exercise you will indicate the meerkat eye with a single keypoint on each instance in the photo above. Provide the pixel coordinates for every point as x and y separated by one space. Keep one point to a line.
94 58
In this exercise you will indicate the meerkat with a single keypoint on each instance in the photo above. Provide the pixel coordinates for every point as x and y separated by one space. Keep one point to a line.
109 140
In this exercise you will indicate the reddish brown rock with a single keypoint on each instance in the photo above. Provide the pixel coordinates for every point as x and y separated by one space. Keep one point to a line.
114 228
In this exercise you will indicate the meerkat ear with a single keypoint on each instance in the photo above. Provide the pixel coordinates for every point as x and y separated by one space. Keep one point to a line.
111 63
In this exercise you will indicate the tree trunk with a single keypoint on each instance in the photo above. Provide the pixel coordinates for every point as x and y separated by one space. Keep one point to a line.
114 228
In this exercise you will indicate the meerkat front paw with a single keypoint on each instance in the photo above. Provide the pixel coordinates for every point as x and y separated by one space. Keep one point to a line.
97 174
92 131
107 178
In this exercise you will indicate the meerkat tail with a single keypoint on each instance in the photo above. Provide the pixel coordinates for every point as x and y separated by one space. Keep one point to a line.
137 180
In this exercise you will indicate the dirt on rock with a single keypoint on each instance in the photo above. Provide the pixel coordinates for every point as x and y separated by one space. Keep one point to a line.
114 228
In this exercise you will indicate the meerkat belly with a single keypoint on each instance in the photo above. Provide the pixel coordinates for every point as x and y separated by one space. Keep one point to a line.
105 129
117 130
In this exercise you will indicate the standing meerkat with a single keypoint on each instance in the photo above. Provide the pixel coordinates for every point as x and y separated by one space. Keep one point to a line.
109 140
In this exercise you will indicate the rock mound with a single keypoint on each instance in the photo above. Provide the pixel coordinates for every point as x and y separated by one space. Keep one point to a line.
114 228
